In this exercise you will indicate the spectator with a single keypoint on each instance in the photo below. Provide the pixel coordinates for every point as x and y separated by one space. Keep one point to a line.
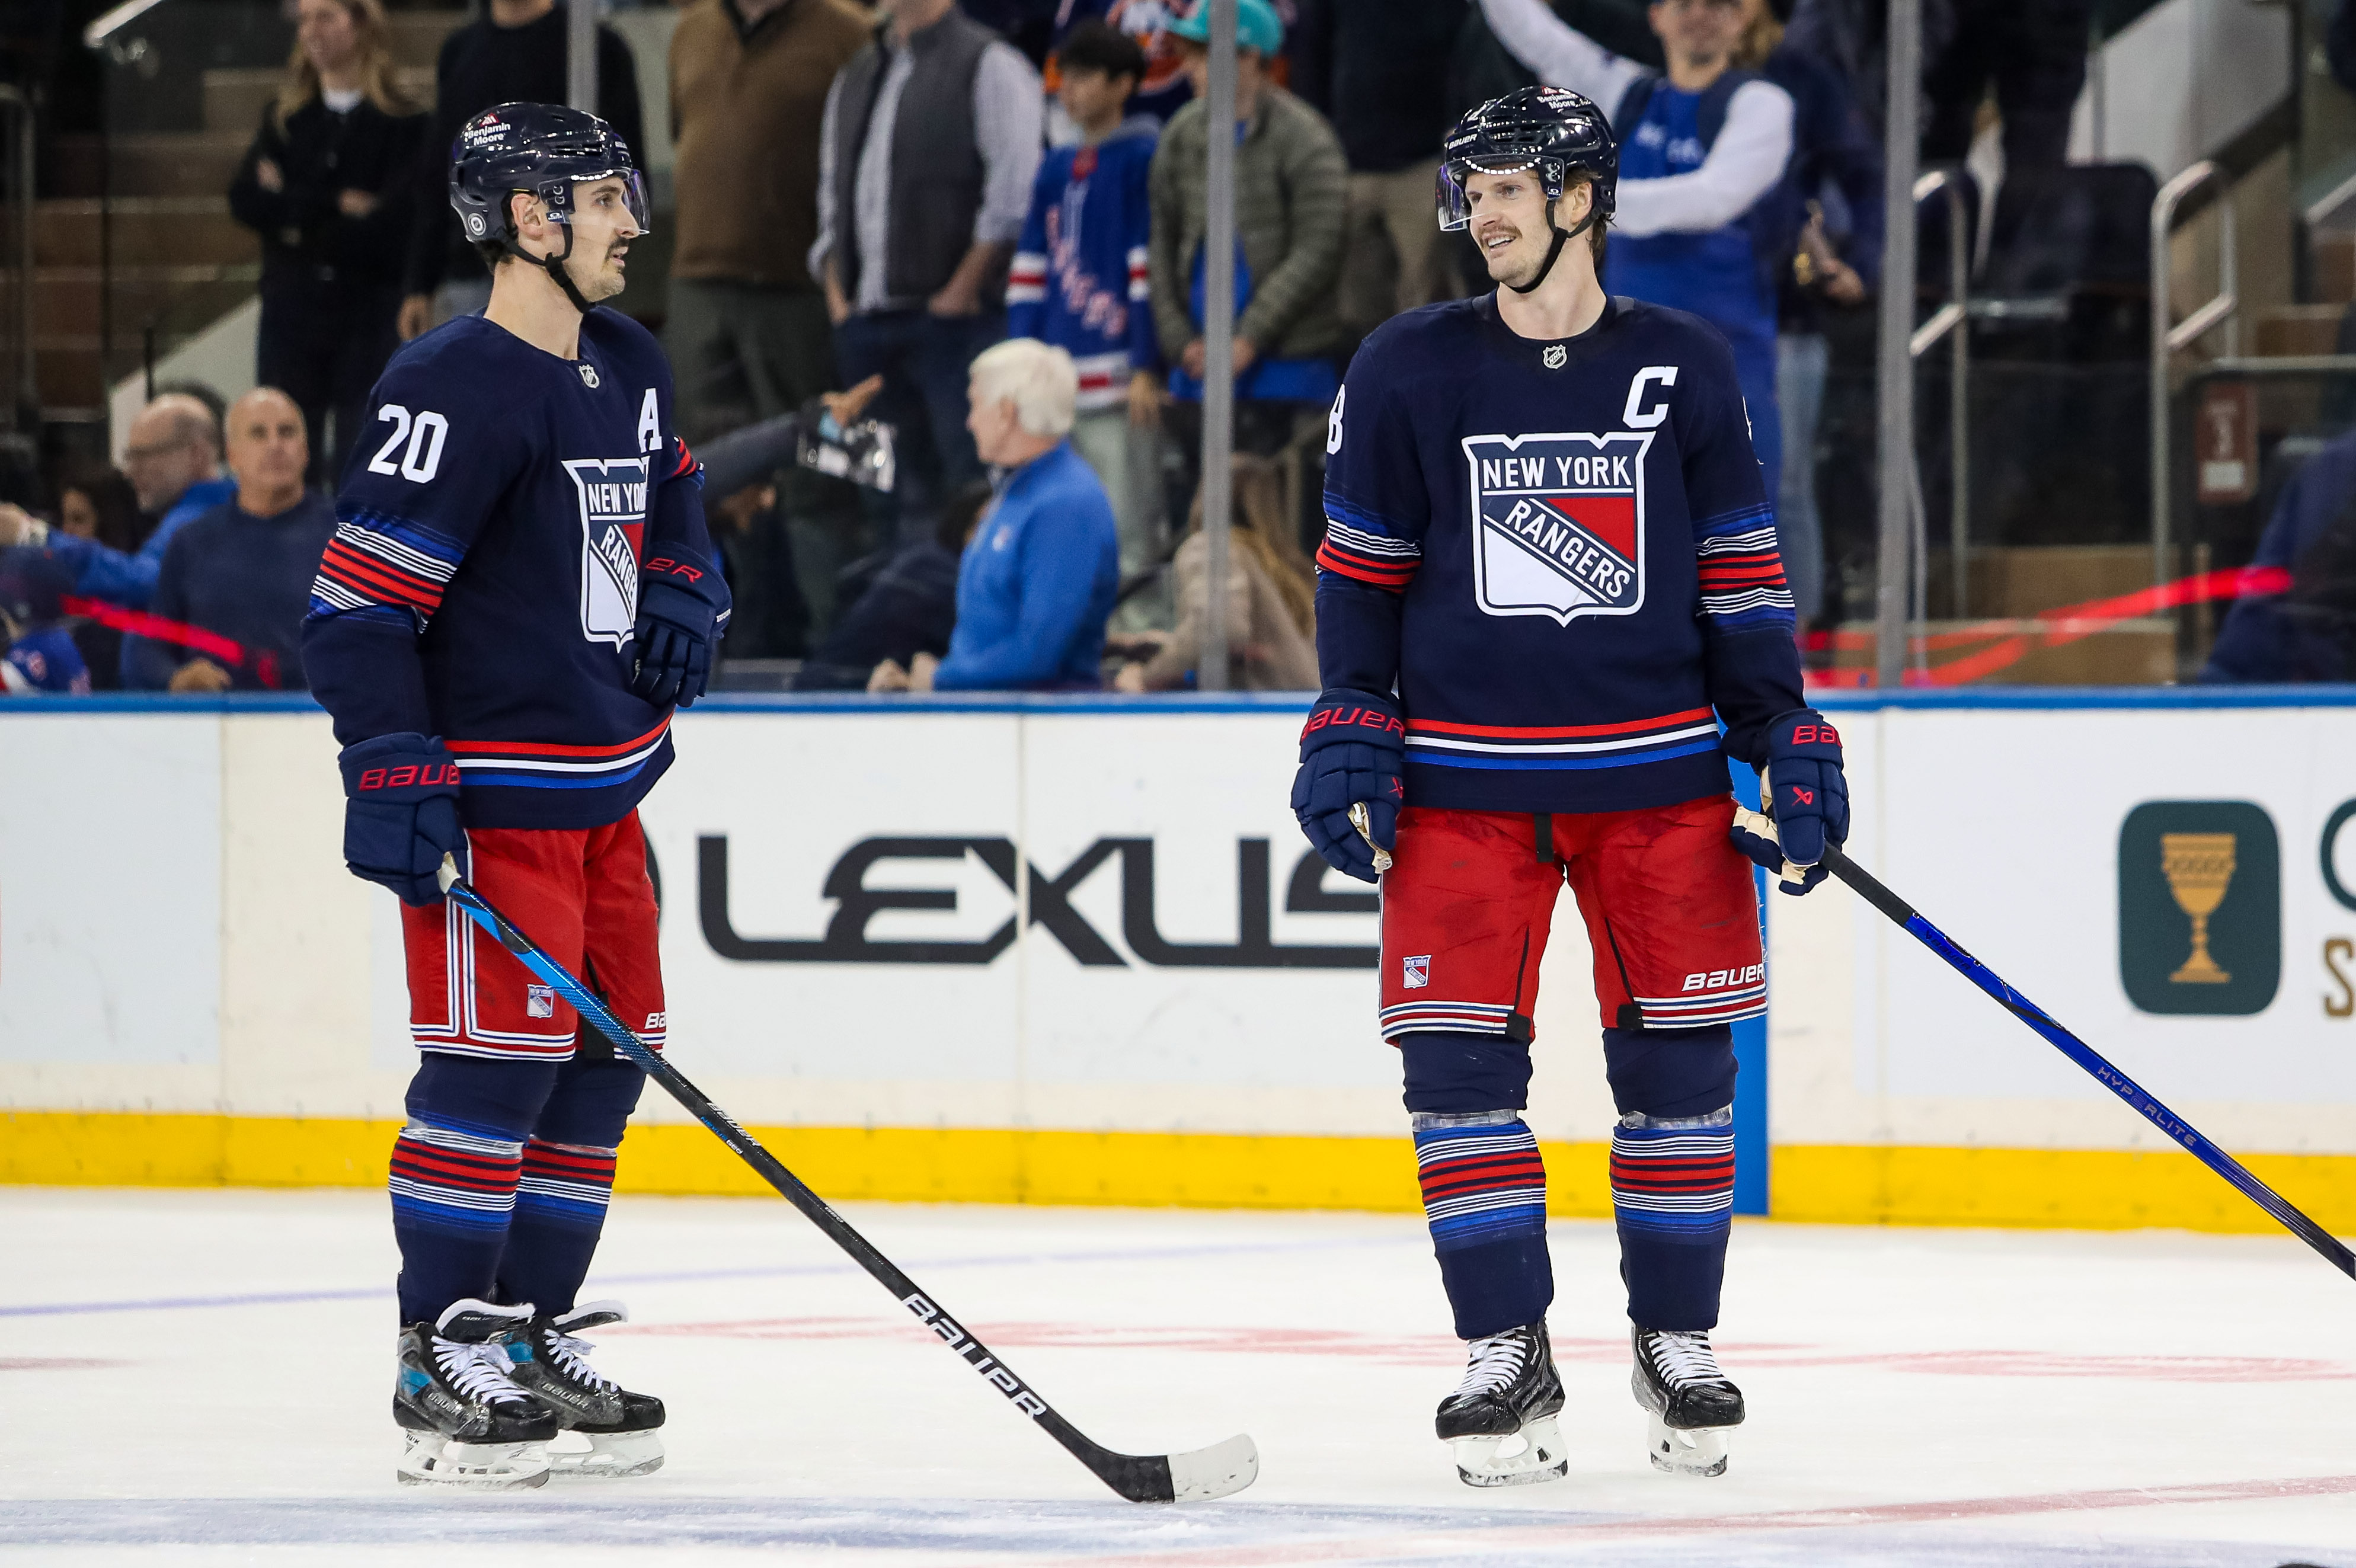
240 576
96 502
746 326
1078 280
2296 618
1835 180
1271 598
515 53
1703 221
2034 54
330 185
905 608
173 458
1291 191
1164 88
1367 65
1851 37
931 139
1039 576
39 654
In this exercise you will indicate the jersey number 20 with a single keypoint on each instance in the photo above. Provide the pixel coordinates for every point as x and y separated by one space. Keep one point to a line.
425 432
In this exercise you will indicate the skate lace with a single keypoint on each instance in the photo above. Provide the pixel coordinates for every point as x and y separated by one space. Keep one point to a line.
571 1358
1686 1359
1495 1362
478 1372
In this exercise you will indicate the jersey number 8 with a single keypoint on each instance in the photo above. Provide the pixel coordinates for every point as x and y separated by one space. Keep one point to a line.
425 432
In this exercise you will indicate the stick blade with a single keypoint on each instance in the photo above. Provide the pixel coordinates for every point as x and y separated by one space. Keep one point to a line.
1218 1471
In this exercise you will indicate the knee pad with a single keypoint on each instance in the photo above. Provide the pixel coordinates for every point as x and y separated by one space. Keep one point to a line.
1671 1074
1454 1075
479 1095
591 1102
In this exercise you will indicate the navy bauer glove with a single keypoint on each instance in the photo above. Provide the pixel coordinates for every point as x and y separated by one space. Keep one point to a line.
1806 795
679 622
401 815
1353 750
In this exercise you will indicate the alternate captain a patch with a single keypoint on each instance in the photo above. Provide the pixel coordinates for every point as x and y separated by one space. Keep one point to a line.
1559 524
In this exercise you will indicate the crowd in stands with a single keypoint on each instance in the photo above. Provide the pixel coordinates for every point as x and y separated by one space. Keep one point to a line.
992 217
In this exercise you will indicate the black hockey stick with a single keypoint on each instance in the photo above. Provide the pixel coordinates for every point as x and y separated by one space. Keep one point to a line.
2177 1130
1205 1473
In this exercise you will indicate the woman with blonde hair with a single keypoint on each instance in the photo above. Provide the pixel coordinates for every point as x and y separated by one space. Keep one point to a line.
328 185
1272 597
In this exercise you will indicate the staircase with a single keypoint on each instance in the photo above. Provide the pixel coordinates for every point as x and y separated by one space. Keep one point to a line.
175 259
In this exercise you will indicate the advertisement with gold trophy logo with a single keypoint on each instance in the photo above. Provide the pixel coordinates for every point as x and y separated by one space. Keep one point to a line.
2199 907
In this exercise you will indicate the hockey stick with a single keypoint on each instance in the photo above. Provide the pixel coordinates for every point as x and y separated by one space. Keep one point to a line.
1205 1473
2177 1130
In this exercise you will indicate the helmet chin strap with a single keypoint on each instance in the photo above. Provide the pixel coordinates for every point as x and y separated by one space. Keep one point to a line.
554 265
1561 236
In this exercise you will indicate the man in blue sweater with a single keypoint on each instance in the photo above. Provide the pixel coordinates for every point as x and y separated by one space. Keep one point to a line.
1039 575
173 457
237 580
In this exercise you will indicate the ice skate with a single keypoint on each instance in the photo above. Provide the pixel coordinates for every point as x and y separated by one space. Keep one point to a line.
1692 1404
1500 1420
467 1423
552 1364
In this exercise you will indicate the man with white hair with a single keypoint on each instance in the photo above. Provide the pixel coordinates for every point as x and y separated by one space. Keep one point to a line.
1039 575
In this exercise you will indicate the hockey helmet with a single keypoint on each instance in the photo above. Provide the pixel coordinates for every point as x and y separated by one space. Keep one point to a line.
1549 129
545 150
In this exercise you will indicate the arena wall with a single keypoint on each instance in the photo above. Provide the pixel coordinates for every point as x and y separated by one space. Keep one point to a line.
193 991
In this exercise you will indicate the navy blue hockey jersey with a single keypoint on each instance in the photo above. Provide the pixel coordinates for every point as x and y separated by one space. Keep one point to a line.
1562 555
482 584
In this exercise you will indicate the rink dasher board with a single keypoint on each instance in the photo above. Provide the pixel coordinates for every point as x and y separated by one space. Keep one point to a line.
1177 1038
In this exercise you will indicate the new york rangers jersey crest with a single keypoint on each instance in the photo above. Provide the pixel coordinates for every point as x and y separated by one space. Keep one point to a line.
1557 524
611 492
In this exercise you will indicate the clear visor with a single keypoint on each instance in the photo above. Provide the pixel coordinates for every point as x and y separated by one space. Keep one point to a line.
1455 209
592 189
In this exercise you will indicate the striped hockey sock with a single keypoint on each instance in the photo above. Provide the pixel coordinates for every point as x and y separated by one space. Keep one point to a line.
1485 1197
453 1194
1673 1195
559 1213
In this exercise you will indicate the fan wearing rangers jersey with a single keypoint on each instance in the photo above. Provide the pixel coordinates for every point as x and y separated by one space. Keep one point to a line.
1550 609
519 592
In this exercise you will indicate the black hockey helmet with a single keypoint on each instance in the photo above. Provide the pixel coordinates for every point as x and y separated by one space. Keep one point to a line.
1549 129
544 149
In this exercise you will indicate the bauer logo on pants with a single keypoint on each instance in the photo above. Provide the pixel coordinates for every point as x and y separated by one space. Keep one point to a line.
2199 907
1559 524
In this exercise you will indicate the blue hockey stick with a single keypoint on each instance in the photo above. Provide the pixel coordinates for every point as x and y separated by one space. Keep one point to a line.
2177 1128
1212 1472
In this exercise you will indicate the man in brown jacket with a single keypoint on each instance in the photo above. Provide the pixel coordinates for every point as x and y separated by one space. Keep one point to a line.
747 329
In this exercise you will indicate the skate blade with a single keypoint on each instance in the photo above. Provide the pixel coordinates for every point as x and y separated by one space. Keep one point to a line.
1535 1456
431 1459
1700 1451
610 1457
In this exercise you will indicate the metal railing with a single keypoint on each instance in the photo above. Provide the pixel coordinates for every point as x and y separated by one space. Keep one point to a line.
19 106
2166 339
1951 320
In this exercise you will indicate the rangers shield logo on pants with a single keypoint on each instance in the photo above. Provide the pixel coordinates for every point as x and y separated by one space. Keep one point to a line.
1559 524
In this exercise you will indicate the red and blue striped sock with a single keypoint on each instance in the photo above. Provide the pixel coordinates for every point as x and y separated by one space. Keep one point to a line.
454 1195
1485 1198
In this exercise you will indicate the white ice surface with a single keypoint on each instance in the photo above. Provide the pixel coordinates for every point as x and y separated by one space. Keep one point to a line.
202 1378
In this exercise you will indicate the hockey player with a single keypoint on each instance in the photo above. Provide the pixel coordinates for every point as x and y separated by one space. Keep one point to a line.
1550 574
519 592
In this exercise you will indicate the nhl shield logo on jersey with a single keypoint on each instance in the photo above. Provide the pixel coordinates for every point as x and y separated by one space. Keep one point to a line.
613 494
1559 524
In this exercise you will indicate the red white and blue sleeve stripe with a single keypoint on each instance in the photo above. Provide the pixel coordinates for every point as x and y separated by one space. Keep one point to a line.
1742 586
1357 545
382 566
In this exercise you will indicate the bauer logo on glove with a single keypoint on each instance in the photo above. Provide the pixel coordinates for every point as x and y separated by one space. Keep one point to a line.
1807 797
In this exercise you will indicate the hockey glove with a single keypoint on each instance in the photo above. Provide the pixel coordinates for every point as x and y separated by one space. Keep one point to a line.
1353 750
1805 795
677 623
400 814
